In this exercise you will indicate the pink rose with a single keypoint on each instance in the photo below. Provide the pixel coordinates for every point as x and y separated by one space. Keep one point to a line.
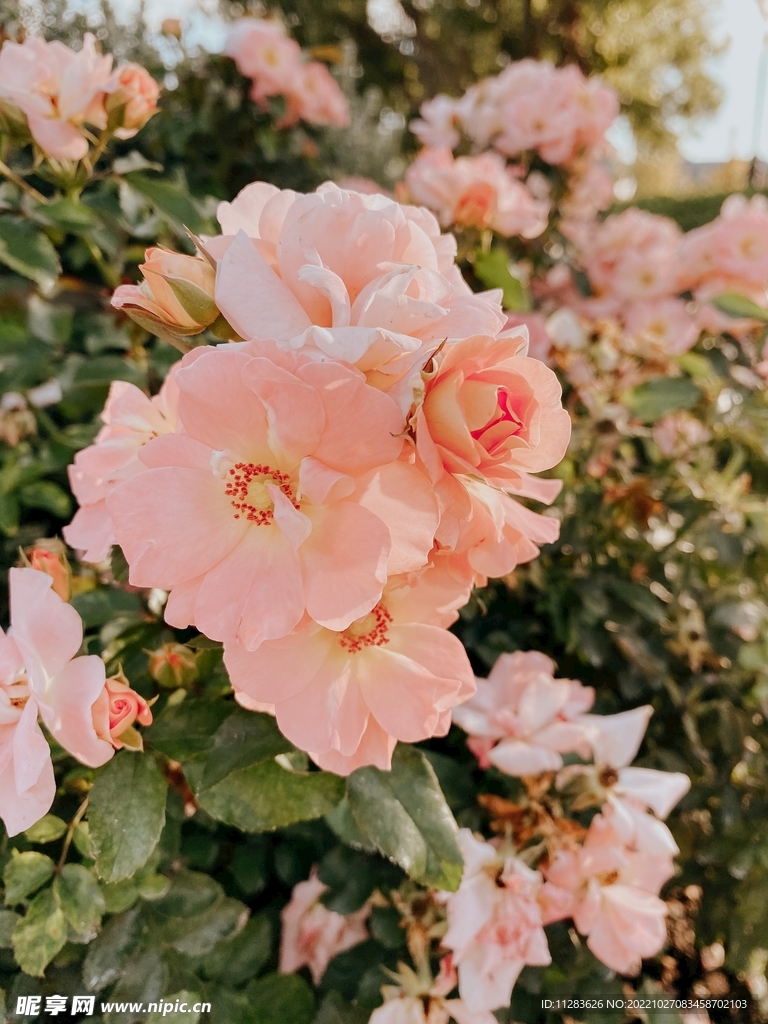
313 935
133 88
55 564
116 710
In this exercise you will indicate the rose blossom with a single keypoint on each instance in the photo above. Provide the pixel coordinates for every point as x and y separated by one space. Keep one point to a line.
475 191
661 327
133 88
175 300
115 712
131 419
350 277
347 696
312 935
263 53
314 96
610 891
490 418
521 719
437 125
41 675
419 1000
282 494
494 924
58 89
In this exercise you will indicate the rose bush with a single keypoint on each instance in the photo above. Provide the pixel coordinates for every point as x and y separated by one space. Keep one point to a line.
343 483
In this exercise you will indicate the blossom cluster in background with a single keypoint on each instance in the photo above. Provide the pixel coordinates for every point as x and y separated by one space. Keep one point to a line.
274 62
58 93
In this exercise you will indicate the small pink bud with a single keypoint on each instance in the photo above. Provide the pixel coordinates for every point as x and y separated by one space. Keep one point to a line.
173 665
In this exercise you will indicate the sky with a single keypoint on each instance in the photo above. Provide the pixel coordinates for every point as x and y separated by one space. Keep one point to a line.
728 134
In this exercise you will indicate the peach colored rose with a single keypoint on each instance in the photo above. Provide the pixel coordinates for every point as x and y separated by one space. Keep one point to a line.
41 675
133 88
116 710
417 999
263 53
314 96
53 561
176 298
280 492
131 419
475 191
58 89
312 935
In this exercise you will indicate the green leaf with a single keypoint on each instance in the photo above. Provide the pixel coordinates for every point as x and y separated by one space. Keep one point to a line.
40 935
171 1016
170 200
29 252
24 873
736 305
334 1009
405 815
241 957
68 215
243 739
263 797
655 398
492 268
119 896
126 814
109 952
80 899
281 999
185 731
47 830
8 921
95 607
46 495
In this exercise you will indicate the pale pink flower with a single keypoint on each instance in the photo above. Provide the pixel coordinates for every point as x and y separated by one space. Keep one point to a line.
282 495
41 675
420 1000
490 418
58 90
131 419
314 96
347 696
350 277
263 53
522 719
116 710
133 88
661 327
629 791
679 432
494 923
590 191
365 186
730 253
437 125
633 255
475 191
610 891
312 935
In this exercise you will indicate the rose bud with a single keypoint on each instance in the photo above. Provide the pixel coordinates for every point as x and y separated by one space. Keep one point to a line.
116 710
175 300
173 665
49 556
132 100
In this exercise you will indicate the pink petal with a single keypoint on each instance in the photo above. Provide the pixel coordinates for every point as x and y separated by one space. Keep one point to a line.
329 713
403 498
67 710
323 485
48 631
58 139
91 532
295 414
376 748
618 737
658 790
516 757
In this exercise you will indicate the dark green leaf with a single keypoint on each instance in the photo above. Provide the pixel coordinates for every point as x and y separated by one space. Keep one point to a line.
184 731
126 814
24 873
404 814
334 1009
96 607
46 830
80 899
39 936
185 1016
655 398
29 252
48 496
236 960
170 200
68 215
281 999
8 921
110 951
266 796
245 738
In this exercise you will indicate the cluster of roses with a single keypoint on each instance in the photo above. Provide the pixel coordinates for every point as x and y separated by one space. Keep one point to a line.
548 866
42 677
53 93
529 110
273 61
322 497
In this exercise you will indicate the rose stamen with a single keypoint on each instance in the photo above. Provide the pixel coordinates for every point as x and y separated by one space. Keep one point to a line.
248 487
369 631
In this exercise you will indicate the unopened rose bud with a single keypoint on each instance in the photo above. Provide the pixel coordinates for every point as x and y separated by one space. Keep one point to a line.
115 712
132 99
49 556
175 300
173 666
171 27
16 418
